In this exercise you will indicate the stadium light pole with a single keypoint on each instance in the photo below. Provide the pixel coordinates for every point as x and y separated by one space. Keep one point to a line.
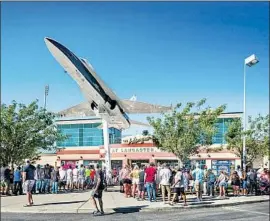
249 61
46 92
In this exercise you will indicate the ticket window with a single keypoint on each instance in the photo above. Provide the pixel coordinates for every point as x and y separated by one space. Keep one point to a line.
139 162
172 163
116 164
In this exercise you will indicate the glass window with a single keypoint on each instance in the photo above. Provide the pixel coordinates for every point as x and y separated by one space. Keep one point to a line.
87 135
87 125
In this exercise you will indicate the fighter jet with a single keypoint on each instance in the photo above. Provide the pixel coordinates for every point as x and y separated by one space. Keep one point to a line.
100 101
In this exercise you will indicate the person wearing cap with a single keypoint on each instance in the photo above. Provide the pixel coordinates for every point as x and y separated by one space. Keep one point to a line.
28 181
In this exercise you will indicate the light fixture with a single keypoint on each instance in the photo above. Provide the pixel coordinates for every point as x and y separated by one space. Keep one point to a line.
251 60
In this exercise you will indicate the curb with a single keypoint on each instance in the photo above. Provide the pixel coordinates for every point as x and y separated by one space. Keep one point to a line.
201 206
142 210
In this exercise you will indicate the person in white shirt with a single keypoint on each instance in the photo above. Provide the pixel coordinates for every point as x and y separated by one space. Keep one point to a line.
63 178
70 178
178 187
165 175
75 177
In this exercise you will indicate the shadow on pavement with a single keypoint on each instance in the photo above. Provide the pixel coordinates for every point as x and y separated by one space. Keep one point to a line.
60 203
129 209
200 203
111 191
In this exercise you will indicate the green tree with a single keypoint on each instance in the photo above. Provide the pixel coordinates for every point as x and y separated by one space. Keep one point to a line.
183 130
257 138
25 130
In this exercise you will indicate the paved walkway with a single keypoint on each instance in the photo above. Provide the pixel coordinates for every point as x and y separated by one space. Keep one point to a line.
79 202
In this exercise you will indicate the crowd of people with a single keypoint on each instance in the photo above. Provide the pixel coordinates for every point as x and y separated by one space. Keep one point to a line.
48 179
141 182
174 183
30 179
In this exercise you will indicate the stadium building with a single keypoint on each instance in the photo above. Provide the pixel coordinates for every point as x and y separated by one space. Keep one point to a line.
85 146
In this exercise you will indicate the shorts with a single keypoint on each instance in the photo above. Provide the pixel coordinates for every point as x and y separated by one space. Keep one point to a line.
97 194
179 190
223 184
135 181
28 186
165 189
127 181
141 187
88 181
75 179
81 180
198 186
235 187
5 183
244 184
2 184
62 183
69 181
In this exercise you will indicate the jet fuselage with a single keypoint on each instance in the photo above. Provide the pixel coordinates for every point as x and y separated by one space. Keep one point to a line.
99 101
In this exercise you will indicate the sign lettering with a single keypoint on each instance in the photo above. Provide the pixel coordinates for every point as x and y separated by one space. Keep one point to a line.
135 150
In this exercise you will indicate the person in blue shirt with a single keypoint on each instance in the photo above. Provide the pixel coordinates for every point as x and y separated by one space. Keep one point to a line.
18 181
198 176
211 179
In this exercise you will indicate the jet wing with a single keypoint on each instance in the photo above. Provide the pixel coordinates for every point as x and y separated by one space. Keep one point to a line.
138 123
132 122
80 110
137 107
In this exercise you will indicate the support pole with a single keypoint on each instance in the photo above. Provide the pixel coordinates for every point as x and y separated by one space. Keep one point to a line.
106 146
46 92
244 122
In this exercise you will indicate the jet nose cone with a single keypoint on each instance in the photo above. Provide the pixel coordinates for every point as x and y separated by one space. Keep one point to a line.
48 40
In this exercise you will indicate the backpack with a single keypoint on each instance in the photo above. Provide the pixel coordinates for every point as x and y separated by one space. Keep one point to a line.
171 178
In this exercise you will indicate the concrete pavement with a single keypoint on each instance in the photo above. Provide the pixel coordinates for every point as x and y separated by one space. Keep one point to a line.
79 202
247 212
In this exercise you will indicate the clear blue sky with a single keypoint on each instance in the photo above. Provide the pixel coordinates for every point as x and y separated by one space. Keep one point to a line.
164 52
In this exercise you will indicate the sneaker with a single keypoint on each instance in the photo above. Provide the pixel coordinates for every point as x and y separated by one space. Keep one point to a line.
98 213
